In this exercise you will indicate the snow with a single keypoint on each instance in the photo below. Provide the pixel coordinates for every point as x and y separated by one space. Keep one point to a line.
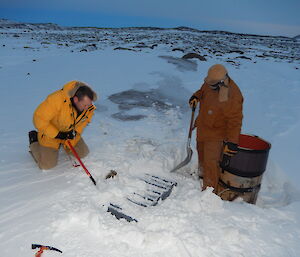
62 208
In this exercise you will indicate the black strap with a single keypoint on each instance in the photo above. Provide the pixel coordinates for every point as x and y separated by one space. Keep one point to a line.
240 190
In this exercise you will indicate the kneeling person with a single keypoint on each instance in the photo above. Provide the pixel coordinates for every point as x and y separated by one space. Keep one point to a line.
62 116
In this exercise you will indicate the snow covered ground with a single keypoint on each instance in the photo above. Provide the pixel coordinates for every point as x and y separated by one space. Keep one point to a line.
62 208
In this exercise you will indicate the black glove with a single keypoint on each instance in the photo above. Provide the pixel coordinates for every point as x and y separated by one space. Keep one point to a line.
230 148
193 101
66 135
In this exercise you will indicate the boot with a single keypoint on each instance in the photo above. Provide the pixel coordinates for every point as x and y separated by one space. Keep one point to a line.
32 136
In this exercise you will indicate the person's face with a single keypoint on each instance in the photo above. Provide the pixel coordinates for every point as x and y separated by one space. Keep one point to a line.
83 104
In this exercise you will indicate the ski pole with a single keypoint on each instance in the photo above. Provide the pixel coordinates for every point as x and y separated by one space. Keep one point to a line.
42 248
81 163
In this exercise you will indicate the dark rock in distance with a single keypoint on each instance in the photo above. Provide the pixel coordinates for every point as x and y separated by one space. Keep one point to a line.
194 55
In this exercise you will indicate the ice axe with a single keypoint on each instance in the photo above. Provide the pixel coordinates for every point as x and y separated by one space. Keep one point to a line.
42 248
80 162
188 146
73 162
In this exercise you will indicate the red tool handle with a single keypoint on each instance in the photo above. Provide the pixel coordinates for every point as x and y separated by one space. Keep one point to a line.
39 253
81 163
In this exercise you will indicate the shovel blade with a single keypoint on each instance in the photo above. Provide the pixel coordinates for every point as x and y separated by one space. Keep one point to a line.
186 160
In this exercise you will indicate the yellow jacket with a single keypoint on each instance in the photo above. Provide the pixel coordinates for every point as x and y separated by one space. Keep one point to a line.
57 113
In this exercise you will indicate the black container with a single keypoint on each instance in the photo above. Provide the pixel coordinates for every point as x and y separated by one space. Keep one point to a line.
242 173
251 159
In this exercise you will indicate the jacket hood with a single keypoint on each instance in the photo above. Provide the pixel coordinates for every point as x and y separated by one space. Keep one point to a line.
71 88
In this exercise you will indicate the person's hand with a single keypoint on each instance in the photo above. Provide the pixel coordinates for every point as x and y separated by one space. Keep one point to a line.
230 148
193 101
66 135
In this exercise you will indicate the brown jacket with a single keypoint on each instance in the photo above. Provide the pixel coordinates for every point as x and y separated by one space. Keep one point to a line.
218 121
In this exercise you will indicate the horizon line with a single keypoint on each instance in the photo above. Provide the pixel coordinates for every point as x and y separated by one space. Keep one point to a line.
153 27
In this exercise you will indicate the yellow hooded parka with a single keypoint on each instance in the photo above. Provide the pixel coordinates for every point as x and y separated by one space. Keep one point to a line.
57 114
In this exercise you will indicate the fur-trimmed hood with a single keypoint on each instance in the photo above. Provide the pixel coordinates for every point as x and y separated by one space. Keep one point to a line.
71 88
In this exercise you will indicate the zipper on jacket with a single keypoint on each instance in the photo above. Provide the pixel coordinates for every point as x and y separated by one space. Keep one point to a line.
83 115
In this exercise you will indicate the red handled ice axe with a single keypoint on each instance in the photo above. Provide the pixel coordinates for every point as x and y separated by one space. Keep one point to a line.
81 163
74 163
42 248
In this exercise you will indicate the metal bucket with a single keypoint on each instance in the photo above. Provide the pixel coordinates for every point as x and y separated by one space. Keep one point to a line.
241 174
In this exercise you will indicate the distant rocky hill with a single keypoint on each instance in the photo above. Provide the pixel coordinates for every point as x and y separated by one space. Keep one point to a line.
8 24
220 45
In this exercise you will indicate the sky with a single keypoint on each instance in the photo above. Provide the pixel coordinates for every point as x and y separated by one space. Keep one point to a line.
269 17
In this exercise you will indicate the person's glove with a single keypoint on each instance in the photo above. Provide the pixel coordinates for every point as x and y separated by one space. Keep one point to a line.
193 101
66 135
230 148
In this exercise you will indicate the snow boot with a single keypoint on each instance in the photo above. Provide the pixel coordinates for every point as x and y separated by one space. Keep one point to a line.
32 136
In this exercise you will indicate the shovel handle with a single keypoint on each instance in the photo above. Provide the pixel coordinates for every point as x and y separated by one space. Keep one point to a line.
192 122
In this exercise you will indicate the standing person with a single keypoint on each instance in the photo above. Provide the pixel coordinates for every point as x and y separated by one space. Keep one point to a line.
62 116
218 123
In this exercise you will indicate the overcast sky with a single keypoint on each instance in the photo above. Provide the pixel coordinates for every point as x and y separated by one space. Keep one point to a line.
268 17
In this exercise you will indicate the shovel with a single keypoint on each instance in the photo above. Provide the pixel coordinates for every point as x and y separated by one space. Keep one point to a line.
188 146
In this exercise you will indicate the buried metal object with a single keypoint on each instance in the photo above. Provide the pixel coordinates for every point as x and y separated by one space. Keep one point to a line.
158 189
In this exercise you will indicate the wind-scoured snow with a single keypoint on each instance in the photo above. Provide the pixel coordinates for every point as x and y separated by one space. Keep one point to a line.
141 126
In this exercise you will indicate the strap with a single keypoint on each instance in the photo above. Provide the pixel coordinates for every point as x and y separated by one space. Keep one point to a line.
240 190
